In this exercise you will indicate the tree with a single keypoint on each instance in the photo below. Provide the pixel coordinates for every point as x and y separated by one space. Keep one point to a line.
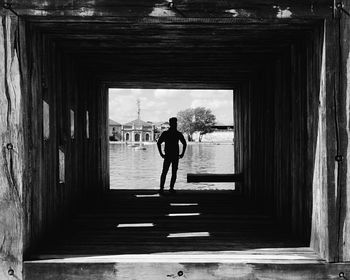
196 119
185 122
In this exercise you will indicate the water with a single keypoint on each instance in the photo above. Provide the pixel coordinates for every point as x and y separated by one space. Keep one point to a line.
140 169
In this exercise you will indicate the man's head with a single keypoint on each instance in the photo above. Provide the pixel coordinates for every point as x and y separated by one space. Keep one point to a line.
173 122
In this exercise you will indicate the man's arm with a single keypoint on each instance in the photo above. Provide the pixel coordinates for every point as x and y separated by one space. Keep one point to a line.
184 145
159 144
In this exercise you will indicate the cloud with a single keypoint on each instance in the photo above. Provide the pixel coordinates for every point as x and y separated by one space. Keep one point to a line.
210 94
166 93
161 104
211 103
122 108
221 108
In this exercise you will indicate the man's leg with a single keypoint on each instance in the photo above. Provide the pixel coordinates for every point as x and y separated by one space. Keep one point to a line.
174 166
166 165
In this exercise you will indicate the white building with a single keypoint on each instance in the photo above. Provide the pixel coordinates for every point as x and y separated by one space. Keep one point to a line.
137 131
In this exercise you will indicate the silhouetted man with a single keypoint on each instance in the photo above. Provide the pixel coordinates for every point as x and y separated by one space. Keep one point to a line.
171 137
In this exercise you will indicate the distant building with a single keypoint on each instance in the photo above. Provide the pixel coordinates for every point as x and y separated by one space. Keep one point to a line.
114 130
222 133
137 131
221 126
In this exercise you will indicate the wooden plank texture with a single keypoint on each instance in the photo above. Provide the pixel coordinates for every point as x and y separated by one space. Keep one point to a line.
211 177
280 167
289 70
180 270
344 120
117 239
52 76
12 158
181 8
141 222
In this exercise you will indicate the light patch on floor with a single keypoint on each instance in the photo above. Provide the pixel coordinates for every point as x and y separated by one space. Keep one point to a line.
183 204
147 195
188 234
182 214
135 225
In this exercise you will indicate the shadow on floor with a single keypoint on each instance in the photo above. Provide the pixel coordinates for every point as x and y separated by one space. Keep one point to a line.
142 222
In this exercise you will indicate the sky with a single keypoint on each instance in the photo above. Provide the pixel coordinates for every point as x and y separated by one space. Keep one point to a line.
158 105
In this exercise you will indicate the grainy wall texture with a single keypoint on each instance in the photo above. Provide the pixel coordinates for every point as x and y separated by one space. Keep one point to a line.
34 199
12 158
289 68
287 122
66 161
343 193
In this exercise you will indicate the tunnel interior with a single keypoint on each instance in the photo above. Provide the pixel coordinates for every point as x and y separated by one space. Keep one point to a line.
273 68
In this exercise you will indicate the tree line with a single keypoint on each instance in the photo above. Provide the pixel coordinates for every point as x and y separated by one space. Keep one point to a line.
199 119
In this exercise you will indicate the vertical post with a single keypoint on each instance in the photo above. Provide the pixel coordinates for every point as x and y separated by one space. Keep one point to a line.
344 133
324 232
12 156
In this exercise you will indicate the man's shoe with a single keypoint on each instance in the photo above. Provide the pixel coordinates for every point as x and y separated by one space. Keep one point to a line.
172 191
161 192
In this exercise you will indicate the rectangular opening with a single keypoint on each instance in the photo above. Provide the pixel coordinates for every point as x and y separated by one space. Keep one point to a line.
138 117
46 120
72 124
87 125
62 165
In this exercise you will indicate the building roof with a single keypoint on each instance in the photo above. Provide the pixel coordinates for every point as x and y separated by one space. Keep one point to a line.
138 122
160 123
112 122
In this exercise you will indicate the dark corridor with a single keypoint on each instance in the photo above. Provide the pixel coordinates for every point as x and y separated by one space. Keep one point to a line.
267 64
277 71
287 64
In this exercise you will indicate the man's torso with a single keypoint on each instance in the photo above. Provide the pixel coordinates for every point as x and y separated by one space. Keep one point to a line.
171 139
